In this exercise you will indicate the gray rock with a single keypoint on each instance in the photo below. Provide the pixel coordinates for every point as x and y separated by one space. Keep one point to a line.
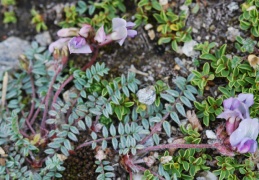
10 49
44 38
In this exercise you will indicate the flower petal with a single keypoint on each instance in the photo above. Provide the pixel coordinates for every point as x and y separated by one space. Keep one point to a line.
231 103
130 24
119 33
58 44
67 32
247 145
248 128
247 99
132 33
85 30
86 49
100 35
118 22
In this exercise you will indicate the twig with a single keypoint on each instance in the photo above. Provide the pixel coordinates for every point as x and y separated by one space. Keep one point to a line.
71 77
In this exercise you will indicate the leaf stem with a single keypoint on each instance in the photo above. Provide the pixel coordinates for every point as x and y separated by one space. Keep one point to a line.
182 146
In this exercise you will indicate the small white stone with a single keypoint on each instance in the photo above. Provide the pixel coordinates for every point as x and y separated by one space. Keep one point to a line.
188 48
210 134
194 30
147 95
207 37
233 6
163 2
207 175
151 33
148 26
137 176
185 8
232 33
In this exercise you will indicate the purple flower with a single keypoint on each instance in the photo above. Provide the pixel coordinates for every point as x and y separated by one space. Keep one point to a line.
121 29
79 45
236 109
244 137
247 99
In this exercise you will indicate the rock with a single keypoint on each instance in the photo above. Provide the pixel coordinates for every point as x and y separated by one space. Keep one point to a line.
148 26
147 95
207 175
10 49
233 6
188 49
151 34
232 33
210 134
163 2
137 176
44 38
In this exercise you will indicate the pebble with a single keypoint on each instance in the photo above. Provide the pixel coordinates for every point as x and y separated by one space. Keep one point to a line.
44 38
194 30
207 175
198 38
207 37
232 33
10 49
151 34
210 134
148 26
188 49
233 6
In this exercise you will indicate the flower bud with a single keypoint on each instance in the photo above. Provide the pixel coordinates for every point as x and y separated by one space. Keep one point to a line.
67 32
85 30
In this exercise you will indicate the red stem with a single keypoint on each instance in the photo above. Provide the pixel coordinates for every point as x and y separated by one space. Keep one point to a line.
182 146
43 122
70 78
154 129
32 105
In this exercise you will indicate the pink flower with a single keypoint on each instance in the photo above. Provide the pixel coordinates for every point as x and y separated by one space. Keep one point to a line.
100 36
84 31
76 44
58 44
121 29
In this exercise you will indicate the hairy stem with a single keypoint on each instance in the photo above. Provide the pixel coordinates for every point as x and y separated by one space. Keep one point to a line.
43 122
98 140
182 146
71 77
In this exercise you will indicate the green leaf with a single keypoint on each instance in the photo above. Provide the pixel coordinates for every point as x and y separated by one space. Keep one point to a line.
206 69
208 57
175 117
186 101
174 45
163 40
156 5
180 109
167 128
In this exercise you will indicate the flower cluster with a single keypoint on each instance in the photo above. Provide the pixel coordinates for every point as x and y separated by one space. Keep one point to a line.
82 40
241 129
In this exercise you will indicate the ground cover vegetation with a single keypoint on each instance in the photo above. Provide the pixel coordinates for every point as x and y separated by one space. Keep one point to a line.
51 111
